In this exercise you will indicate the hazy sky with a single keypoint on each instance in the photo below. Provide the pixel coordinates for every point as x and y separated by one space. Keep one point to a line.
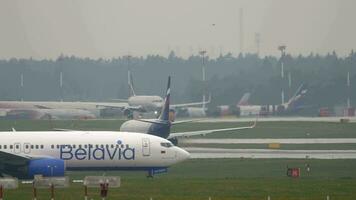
88 28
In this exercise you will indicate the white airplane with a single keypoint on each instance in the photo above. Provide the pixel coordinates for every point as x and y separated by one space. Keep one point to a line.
57 109
25 154
54 113
150 103
162 126
294 104
223 110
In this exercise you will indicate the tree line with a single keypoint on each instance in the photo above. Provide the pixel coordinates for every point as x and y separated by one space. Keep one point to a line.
228 77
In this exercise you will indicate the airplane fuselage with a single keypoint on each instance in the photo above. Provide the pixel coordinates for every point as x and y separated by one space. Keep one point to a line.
148 103
94 150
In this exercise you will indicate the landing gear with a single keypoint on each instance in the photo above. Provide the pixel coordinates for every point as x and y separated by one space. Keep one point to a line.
128 113
150 174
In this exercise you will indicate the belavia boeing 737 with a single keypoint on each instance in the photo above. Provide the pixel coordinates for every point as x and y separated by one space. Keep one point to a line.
25 154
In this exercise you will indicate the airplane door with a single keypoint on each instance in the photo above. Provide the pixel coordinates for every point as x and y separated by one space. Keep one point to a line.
27 148
146 147
17 148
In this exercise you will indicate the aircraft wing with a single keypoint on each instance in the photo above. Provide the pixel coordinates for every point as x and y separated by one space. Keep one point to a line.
123 106
42 107
109 105
204 132
185 121
120 100
10 158
64 129
191 104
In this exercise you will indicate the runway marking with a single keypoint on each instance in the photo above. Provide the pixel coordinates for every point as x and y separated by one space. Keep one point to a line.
272 140
268 153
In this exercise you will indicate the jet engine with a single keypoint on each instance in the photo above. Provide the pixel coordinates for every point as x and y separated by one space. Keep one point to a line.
46 167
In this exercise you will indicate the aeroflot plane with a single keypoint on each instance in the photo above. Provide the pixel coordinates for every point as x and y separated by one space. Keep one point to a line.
162 126
25 154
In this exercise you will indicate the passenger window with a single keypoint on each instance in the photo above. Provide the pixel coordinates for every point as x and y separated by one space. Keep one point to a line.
127 146
57 146
112 146
17 146
80 146
85 146
73 146
26 146
122 146
52 146
42 146
32 147
11 146
5 146
107 146
97 146
36 146
102 146
0 146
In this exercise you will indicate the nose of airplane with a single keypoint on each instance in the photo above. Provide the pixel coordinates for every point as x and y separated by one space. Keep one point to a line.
182 154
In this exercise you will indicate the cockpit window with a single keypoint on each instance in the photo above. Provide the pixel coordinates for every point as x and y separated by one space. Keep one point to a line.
166 144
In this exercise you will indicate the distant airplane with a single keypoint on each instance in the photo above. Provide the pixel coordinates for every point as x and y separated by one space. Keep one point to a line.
244 99
55 109
26 154
151 103
70 110
162 126
225 110
54 113
294 104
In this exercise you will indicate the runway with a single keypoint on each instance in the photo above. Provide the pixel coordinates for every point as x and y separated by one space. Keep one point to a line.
268 141
280 119
268 153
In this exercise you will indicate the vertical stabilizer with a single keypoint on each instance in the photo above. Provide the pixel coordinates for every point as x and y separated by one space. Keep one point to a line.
165 109
244 99
296 100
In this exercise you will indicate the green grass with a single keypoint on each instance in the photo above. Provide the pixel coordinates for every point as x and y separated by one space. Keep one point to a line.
225 179
263 129
279 130
43 125
248 179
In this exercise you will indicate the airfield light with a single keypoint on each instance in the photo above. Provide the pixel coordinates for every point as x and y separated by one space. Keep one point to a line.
61 84
348 90
21 85
282 48
202 54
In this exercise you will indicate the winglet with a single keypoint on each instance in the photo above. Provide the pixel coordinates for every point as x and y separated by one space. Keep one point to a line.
254 123
13 129
165 109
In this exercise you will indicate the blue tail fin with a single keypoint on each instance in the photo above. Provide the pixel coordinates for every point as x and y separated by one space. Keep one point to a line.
165 108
